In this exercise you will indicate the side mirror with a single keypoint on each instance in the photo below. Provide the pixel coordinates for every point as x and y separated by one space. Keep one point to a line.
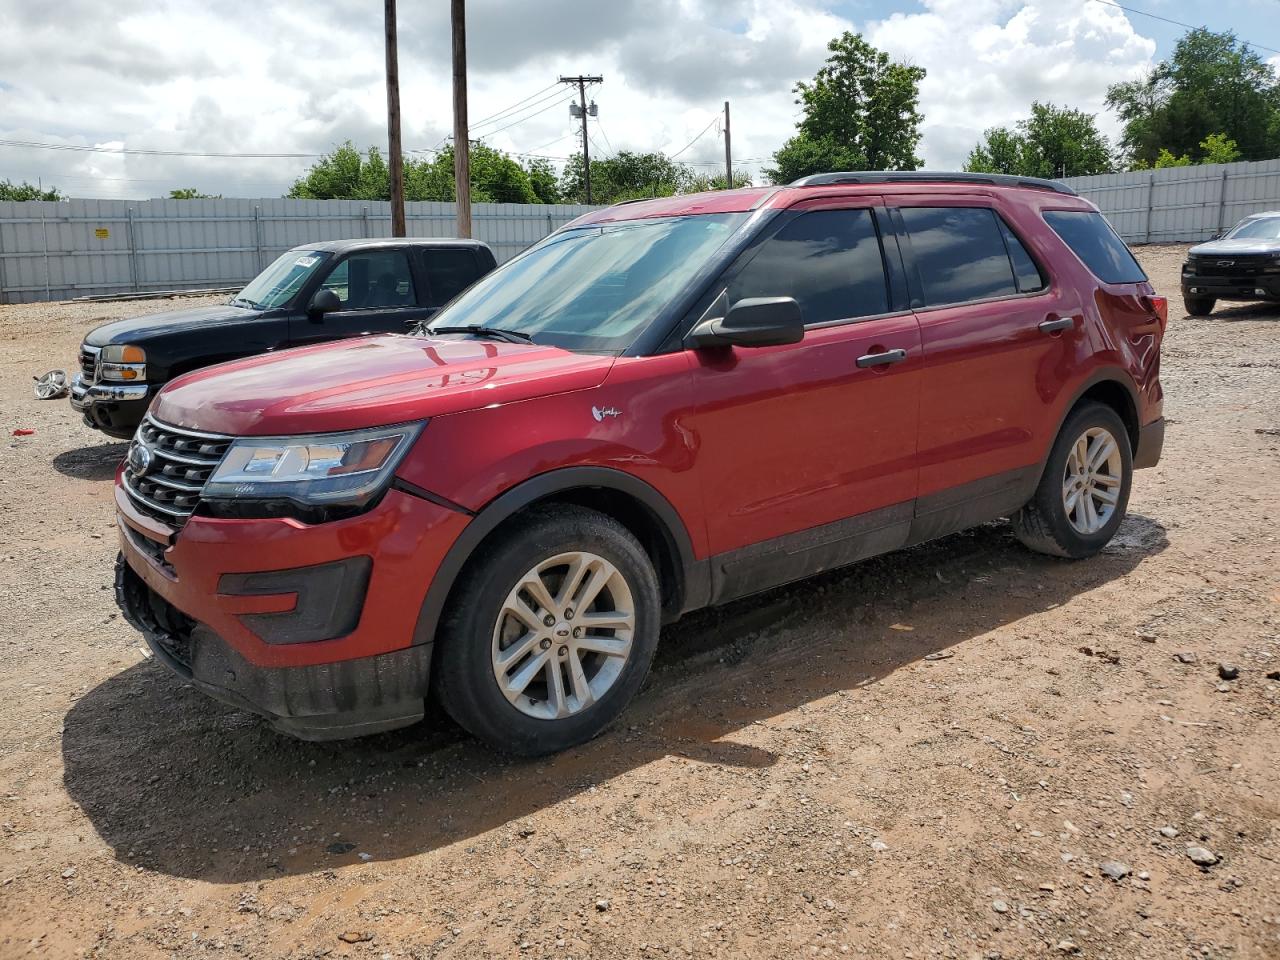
753 322
325 301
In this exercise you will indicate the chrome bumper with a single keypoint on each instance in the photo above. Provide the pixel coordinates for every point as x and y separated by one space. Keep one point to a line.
84 396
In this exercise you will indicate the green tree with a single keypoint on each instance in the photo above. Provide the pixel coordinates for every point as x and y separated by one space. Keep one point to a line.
28 191
624 176
702 182
191 193
1167 159
1052 142
1219 148
861 112
1212 84
345 174
544 180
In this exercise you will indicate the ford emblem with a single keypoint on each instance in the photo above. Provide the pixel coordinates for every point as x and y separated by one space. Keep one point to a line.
140 458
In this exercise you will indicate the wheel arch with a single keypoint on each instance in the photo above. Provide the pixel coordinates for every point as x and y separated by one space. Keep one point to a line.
643 510
1115 390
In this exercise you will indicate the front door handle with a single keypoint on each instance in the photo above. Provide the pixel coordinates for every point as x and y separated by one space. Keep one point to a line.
1054 324
883 358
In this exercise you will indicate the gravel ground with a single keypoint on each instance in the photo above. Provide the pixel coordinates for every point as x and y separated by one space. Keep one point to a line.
960 750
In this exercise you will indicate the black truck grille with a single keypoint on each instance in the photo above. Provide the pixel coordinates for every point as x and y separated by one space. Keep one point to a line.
180 464
1234 267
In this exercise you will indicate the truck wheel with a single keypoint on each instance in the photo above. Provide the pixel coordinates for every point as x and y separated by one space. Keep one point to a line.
1084 492
1198 306
551 632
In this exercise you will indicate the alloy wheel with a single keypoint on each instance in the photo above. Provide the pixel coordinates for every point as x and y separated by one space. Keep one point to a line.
563 635
1092 480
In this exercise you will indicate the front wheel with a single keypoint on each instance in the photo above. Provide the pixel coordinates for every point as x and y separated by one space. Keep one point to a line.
1199 306
1084 492
551 633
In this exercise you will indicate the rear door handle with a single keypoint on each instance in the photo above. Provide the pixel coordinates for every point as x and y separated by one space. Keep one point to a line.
882 358
1054 324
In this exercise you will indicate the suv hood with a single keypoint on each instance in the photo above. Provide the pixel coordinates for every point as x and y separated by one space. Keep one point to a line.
135 329
369 382
1225 248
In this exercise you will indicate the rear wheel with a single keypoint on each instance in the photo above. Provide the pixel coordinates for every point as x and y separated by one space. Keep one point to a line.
1199 306
1084 492
551 633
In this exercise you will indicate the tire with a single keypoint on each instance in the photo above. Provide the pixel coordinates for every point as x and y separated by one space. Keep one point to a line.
480 626
1044 524
1199 306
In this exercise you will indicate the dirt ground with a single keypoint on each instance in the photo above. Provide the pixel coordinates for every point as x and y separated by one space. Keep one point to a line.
940 753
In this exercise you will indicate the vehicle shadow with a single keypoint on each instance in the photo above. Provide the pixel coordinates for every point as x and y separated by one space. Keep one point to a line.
179 784
91 463
1247 311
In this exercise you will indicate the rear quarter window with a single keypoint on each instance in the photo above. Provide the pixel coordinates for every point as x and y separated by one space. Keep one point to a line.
1091 238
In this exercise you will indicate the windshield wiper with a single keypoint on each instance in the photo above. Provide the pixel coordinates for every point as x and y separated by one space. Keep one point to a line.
242 301
479 330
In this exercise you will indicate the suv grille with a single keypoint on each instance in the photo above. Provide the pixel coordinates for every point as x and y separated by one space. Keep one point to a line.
1245 265
167 484
89 363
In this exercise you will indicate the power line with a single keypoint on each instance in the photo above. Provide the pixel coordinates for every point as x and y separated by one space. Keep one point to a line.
600 127
549 106
697 138
513 106
513 113
1176 23
80 148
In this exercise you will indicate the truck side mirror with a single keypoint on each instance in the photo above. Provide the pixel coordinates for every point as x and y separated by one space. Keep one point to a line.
325 301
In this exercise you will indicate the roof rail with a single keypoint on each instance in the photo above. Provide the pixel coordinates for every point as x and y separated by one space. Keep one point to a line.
930 176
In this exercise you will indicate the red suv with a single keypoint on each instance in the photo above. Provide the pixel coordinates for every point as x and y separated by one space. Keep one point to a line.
666 404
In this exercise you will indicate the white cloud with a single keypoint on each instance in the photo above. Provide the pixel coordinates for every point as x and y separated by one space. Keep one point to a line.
258 77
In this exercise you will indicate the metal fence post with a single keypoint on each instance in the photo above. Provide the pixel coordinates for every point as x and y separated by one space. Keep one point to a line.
133 251
257 237
1151 193
364 216
1 262
1222 202
44 231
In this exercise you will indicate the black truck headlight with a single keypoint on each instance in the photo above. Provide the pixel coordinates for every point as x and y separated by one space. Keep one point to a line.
123 363
320 470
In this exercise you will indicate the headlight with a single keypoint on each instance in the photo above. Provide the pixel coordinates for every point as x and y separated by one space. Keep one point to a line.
317 470
123 362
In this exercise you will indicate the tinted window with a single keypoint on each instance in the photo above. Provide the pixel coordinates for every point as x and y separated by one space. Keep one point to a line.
449 272
1025 271
959 254
828 260
1091 237
372 279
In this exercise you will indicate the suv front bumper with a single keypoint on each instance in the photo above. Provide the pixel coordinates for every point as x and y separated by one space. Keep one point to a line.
245 610
113 408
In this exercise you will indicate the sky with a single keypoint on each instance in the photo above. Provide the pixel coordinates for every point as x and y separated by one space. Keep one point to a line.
241 78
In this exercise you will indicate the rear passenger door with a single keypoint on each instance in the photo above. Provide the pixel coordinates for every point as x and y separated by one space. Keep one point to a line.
447 272
993 324
377 292
795 440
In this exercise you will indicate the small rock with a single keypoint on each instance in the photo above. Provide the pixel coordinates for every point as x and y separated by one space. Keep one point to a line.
602 905
1114 869
1146 636
1066 946
1189 658
1224 687
1202 857
355 936
366 857
1169 832
1274 675
68 873
1228 671
879 846
999 906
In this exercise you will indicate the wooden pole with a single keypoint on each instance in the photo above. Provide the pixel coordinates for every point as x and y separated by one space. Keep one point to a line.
728 151
396 160
461 135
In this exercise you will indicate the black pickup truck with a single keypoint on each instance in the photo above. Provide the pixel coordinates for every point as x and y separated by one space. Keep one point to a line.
1244 264
316 292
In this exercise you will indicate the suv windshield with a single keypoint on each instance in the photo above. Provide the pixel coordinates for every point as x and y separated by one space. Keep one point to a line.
596 288
280 282
1263 228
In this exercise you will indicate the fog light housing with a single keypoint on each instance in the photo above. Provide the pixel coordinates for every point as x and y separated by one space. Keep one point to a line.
1259 292
1193 289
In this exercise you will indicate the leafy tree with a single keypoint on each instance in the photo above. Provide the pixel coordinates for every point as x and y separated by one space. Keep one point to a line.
1167 159
861 112
191 193
1212 84
543 179
624 176
1052 142
28 191
702 182
1219 148
347 174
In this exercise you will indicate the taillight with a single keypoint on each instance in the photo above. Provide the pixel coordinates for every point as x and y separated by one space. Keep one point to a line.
1160 307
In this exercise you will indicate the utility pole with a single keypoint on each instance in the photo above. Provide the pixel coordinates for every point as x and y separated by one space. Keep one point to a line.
728 151
396 160
582 111
461 135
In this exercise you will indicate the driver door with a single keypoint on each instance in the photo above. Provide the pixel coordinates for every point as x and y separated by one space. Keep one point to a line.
377 293
807 451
